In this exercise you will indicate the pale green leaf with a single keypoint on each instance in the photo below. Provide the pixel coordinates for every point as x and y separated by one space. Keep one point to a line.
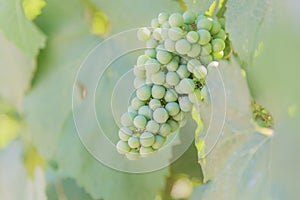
33 8
200 6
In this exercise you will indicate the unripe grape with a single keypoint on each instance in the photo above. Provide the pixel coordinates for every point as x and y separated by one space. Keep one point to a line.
155 103
216 27
134 142
173 65
180 116
142 59
158 78
206 59
218 55
163 17
195 51
144 93
125 133
147 139
154 23
157 34
175 33
145 111
144 34
150 53
152 126
185 104
176 19
151 43
218 45
182 46
169 45
192 64
127 119
160 115
172 78
136 103
171 95
166 25
131 109
139 82
173 124
159 142
222 22
172 108
206 50
139 72
204 23
189 17
133 154
183 72
165 130
213 64
221 35
200 72
187 85
195 97
164 34
204 37
164 57
140 121
152 66
122 147
158 91
146 151
192 37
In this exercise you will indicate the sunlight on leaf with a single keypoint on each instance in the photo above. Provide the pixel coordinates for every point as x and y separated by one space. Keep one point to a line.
9 129
212 8
99 21
33 160
292 110
33 8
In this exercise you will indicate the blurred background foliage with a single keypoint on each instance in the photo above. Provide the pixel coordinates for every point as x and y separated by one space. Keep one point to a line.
42 44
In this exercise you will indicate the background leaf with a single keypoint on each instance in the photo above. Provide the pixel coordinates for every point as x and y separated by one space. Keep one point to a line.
198 5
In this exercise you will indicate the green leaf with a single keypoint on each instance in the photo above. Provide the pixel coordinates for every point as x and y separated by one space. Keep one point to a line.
18 29
33 8
198 5
244 22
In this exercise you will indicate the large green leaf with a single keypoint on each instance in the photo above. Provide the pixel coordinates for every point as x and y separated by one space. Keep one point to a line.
244 22
198 5
18 29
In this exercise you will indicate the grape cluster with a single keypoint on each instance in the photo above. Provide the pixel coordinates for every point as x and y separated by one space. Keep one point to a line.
169 77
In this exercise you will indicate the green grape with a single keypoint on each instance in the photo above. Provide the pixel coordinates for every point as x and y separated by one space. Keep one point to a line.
160 115
213 64
184 60
151 43
158 78
132 110
189 17
157 34
192 64
187 85
192 37
182 46
125 133
150 53
173 65
147 139
134 142
216 27
144 93
122 147
182 123
175 33
139 82
160 47
220 35
127 119
169 45
144 34
180 116
155 103
158 91
133 154
152 66
204 37
178 89
164 33
195 97
176 19
173 124
139 72
172 108
183 72
165 130
166 25
172 78
154 23
185 104
171 95
159 142
146 151
200 72
218 45
206 59
164 57
163 17
195 51
206 50
218 55
140 121
152 126
222 22
204 23
136 103
141 60
145 111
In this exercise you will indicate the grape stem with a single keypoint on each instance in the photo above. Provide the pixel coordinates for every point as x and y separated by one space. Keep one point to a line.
216 9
